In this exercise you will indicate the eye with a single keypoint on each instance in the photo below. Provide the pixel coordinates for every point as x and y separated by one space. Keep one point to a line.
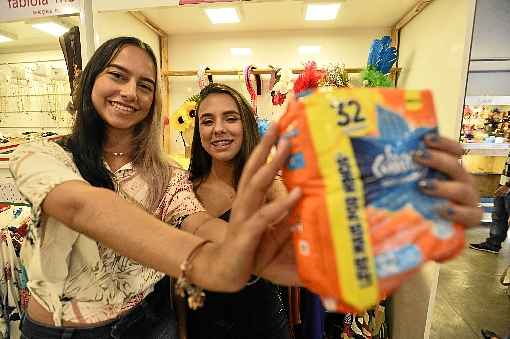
116 75
206 122
232 118
146 86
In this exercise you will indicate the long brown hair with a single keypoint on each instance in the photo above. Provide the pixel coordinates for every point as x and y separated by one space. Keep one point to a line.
201 161
89 130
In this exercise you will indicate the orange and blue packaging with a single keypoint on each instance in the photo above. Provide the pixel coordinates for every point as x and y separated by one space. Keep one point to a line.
364 226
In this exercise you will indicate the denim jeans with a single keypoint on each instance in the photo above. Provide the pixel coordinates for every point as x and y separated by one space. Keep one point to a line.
153 318
499 227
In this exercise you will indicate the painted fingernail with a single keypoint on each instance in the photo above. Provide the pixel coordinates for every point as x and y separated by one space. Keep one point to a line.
423 154
432 137
427 184
450 212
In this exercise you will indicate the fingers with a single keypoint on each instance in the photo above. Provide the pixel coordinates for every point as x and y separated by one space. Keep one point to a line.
270 213
443 162
452 190
467 216
257 183
444 144
259 155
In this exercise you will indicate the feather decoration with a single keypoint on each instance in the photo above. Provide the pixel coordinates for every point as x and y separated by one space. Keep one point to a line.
380 60
309 79
382 56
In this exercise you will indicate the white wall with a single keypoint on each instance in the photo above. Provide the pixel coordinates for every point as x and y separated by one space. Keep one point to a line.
490 40
434 52
280 49
111 25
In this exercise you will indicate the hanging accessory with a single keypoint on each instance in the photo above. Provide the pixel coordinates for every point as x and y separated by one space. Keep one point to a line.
380 60
309 79
280 84
247 72
184 288
335 76
204 79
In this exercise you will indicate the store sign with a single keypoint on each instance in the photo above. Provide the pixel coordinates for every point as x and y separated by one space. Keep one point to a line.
12 10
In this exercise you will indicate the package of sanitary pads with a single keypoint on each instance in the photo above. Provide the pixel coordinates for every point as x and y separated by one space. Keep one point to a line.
364 226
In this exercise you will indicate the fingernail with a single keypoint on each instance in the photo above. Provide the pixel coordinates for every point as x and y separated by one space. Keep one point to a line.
427 184
432 137
282 143
450 212
423 154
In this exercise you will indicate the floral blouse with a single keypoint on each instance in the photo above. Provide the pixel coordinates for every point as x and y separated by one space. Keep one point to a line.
72 276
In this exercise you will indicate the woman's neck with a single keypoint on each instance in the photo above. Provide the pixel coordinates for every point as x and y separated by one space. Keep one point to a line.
118 141
222 171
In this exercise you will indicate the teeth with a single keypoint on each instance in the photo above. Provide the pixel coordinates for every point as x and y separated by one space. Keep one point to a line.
221 143
122 107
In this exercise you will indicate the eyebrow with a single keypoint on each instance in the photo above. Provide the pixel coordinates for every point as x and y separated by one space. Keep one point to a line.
127 71
223 113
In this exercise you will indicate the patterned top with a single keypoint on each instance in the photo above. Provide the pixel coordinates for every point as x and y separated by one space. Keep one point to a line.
72 276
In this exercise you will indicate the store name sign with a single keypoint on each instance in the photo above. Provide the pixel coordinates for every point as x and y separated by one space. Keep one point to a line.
12 10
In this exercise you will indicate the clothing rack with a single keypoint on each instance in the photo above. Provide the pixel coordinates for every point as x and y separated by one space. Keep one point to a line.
176 73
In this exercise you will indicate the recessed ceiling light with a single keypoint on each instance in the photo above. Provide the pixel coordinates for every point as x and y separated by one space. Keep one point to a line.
51 28
309 49
240 51
222 15
321 12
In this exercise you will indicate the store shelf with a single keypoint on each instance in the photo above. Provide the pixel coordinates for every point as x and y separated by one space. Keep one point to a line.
494 150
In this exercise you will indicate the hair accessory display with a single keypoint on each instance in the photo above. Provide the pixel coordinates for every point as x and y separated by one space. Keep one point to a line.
184 288
184 117
247 72
280 85
335 76
380 60
203 79
309 79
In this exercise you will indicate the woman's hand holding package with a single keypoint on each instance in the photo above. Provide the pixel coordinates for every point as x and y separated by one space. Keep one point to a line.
256 238
443 155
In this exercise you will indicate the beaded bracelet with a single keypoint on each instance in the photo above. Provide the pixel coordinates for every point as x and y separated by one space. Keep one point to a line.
183 287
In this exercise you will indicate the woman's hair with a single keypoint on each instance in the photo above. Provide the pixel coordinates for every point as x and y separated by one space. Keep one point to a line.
201 161
89 130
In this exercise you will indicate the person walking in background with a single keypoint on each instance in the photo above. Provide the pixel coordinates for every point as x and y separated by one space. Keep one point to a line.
499 226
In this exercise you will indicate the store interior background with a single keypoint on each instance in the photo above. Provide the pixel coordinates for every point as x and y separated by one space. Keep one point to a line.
434 53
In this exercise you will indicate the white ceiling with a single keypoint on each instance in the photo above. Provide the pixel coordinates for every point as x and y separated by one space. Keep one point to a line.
31 39
255 16
279 15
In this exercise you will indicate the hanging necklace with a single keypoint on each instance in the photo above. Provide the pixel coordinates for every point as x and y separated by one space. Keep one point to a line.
118 154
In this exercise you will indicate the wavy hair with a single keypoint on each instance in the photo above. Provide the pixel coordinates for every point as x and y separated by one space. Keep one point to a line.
201 161
89 131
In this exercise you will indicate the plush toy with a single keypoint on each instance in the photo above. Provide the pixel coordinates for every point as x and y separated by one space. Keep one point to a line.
364 226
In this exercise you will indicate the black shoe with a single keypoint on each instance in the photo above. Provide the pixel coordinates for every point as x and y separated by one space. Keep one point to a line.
486 247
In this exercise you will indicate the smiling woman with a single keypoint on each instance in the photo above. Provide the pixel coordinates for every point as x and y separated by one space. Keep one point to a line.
104 200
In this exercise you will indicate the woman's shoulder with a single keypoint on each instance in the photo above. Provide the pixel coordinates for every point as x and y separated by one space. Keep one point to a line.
44 149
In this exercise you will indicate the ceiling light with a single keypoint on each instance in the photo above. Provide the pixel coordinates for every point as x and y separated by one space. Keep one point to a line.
222 15
309 49
240 51
51 28
321 12
6 36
